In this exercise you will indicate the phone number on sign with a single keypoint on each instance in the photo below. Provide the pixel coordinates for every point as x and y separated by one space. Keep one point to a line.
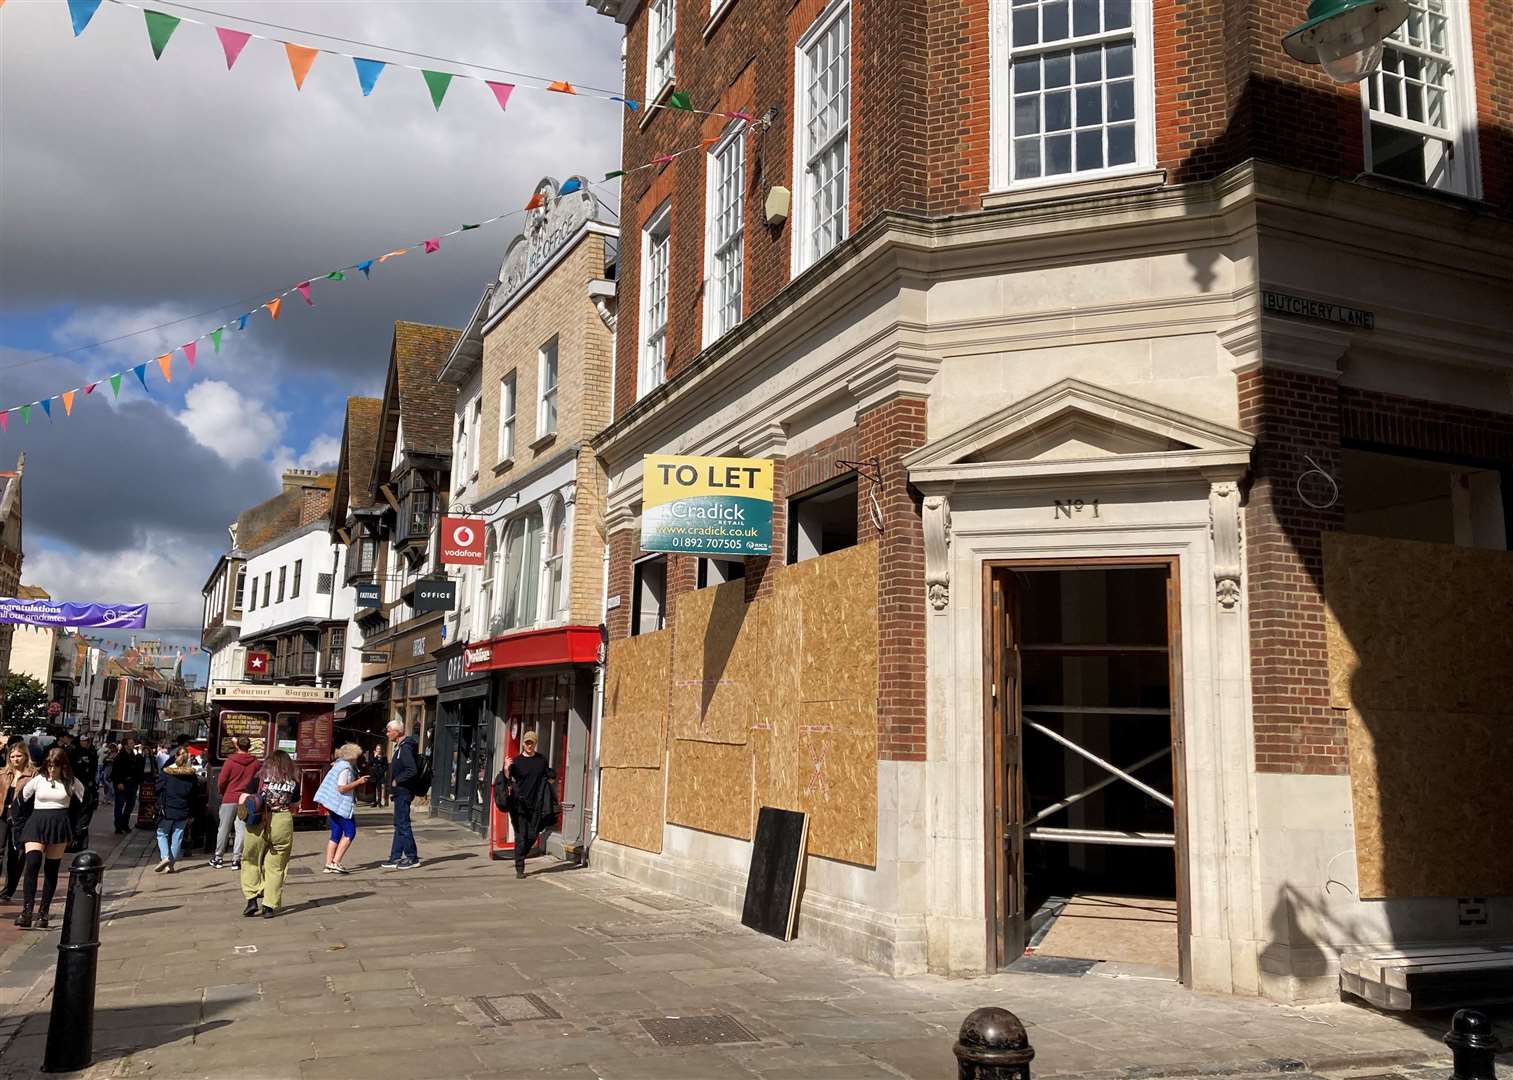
702 542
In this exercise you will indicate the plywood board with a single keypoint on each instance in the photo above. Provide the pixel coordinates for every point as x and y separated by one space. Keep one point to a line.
1418 626
631 807
710 787
1430 795
776 874
636 701
838 615
826 765
720 657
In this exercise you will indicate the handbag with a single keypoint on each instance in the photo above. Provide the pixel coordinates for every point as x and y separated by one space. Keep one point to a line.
504 792
250 810
21 809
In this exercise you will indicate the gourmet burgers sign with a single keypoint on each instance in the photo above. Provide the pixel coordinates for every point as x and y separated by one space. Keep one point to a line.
707 505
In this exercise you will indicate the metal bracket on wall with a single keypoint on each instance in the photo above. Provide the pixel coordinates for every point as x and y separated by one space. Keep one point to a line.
873 471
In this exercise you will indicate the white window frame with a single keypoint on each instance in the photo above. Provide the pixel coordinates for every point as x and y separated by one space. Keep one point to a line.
547 395
715 301
554 567
652 372
475 446
1001 100
1460 131
803 253
661 27
460 443
507 408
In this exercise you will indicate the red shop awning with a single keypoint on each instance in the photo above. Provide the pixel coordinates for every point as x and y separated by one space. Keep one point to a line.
535 648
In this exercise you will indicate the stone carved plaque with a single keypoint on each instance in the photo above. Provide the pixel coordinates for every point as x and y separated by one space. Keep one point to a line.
548 228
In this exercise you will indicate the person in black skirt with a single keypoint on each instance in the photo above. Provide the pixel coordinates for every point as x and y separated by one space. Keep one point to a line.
48 830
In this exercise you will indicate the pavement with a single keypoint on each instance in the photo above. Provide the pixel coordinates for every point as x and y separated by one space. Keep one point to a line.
457 969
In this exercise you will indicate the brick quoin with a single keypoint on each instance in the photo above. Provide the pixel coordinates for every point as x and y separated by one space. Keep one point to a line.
624 546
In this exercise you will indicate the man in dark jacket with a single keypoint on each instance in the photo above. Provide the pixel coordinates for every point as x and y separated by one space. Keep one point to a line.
85 761
126 775
533 805
237 776
404 774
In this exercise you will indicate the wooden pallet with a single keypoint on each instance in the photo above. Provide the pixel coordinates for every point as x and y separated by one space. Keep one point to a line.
1429 977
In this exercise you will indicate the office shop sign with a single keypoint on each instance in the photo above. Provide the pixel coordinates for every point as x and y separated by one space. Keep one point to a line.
706 505
435 594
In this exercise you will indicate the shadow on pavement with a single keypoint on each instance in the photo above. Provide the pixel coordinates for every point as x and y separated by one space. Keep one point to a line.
119 1033
322 901
132 914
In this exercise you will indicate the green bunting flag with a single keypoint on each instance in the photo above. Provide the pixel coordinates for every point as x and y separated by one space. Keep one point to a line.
160 28
215 337
465 228
614 173
437 82
26 414
115 384
336 275
680 100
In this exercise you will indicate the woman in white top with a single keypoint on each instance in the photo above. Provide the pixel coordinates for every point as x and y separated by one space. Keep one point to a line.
48 830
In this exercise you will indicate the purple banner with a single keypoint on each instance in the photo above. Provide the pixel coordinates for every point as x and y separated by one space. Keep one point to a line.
47 613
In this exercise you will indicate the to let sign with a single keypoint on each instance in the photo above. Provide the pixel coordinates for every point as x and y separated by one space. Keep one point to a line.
706 505
436 595
462 541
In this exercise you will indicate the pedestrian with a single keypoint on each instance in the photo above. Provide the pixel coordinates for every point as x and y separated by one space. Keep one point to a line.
86 763
161 756
532 801
18 770
178 792
237 777
380 774
102 776
126 776
48 830
270 837
335 794
34 748
404 776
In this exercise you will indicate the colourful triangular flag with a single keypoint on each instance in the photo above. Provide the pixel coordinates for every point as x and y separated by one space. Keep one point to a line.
190 350
90 389
115 384
368 72
140 371
241 322
160 28
679 99
537 201
166 363
465 228
630 104
26 414
561 87
502 91
232 43
300 59
392 255
365 266
336 275
81 11
705 144
736 114
304 290
273 306
614 173
432 244
5 420
215 337
68 402
570 185
437 82
663 159
47 407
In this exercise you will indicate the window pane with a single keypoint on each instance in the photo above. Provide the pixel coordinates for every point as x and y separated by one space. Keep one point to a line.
1121 144
1026 115
1089 107
1121 101
1026 75
1026 158
1090 149
1055 21
1058 154
1089 65
1026 26
1058 111
1084 17
1120 59
1116 14
1058 69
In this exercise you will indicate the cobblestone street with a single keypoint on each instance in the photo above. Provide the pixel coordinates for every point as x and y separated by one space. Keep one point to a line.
456 969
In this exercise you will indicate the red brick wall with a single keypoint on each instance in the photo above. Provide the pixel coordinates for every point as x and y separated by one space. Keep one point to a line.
624 547
888 432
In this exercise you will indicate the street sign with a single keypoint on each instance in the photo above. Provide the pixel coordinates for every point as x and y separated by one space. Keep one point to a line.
436 595
375 658
369 594
258 663
462 541
706 505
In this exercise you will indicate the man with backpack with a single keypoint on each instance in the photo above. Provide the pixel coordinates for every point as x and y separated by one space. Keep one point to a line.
409 776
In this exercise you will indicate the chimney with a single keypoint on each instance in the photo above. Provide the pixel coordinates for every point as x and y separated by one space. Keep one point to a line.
295 479
315 505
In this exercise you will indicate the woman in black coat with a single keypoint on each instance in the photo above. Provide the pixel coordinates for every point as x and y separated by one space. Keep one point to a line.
178 792
533 799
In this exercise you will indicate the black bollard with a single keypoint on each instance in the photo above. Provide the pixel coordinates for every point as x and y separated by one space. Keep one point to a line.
992 1045
71 1028
1473 1045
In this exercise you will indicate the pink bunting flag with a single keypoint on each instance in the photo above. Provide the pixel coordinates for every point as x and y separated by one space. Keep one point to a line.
502 92
664 159
304 290
5 420
232 43
433 244
189 351
737 114
90 389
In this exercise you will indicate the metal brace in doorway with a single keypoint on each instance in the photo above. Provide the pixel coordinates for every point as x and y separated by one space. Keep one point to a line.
861 468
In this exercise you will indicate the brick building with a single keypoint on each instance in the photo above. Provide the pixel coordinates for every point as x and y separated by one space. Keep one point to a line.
1170 382
532 373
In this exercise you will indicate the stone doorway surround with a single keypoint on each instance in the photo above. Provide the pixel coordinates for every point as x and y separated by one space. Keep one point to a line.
1077 471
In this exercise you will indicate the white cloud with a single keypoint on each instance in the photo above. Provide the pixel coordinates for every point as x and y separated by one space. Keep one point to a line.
323 453
224 420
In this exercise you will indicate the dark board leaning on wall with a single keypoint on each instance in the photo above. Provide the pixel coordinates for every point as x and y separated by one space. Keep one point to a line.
777 863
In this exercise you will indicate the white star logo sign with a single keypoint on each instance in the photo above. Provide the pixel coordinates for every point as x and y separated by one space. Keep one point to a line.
257 663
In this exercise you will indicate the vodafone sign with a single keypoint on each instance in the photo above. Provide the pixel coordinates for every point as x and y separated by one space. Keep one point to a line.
462 541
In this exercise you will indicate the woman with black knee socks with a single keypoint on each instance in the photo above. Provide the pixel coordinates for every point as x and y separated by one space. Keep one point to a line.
47 832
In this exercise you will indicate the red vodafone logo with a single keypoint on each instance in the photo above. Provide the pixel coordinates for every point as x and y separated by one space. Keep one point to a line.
462 541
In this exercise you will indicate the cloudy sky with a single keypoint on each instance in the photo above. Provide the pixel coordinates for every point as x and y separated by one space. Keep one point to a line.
136 192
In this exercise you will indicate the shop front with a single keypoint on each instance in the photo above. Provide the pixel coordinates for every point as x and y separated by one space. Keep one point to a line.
462 750
544 681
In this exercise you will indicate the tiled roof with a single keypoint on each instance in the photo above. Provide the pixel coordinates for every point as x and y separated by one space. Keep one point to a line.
359 444
274 517
34 592
425 406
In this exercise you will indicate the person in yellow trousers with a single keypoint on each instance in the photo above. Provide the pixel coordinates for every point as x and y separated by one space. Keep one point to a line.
270 839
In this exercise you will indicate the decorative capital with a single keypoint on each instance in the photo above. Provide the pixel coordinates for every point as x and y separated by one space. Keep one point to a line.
937 528
1224 528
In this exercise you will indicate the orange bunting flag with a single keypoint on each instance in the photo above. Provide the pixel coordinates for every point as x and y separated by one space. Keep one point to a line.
273 306
707 143
562 88
166 363
393 254
537 201
68 402
300 59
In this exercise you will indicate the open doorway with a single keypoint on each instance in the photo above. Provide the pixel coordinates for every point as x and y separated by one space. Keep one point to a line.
1086 715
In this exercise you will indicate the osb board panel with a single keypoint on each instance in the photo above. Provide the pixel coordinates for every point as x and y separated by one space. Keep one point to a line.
720 663
1431 806
826 764
635 701
838 615
1414 625
710 787
630 807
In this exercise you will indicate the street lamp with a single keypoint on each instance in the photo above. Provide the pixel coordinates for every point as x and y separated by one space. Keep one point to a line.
1346 37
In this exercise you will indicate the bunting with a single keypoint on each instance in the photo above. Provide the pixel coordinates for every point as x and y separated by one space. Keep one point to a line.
273 306
432 245
166 363
189 350
47 407
437 83
140 371
215 338
160 28
304 290
300 59
68 402
115 384
232 44
81 11
26 415
368 72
